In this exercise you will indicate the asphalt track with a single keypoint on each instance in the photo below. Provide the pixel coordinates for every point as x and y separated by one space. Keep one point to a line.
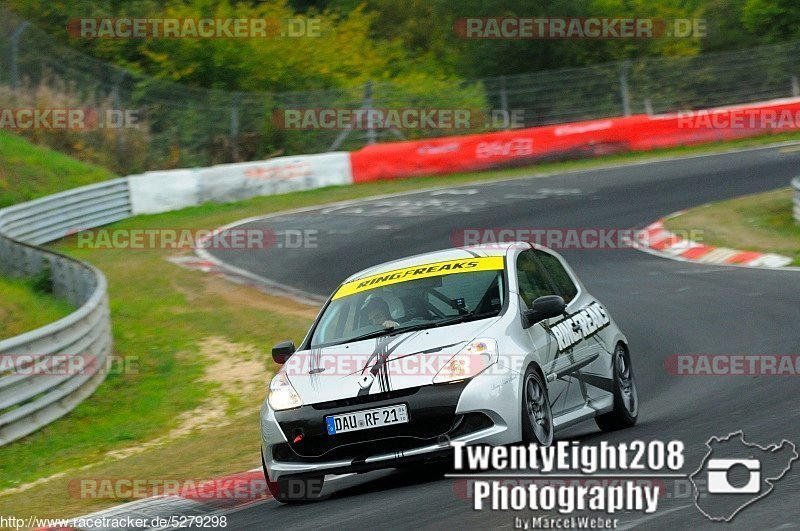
665 307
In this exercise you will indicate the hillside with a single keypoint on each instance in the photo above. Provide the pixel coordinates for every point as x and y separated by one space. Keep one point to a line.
28 171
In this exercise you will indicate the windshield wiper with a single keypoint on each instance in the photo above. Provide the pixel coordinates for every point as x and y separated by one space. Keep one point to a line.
370 335
392 331
463 318
469 316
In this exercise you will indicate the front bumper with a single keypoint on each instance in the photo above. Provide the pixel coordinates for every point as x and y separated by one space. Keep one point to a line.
474 411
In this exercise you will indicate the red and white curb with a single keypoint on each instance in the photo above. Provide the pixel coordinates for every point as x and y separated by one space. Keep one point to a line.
204 262
659 241
195 263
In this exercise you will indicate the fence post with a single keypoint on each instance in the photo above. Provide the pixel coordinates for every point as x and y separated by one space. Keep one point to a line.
795 87
116 103
366 103
371 135
235 127
15 55
503 94
623 87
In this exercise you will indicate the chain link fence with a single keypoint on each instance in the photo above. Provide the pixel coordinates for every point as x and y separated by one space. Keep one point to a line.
182 126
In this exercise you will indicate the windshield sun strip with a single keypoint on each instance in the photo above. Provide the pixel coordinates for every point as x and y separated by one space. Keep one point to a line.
448 267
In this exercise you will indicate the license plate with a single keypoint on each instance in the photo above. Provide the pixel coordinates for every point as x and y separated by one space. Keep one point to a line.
366 419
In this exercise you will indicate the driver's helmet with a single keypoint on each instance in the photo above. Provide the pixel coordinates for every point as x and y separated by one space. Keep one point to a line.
375 304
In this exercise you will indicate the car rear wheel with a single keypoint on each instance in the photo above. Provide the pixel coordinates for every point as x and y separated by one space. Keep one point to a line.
626 398
292 490
537 416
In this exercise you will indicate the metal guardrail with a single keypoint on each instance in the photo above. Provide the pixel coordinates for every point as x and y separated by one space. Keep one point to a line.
796 186
55 216
74 350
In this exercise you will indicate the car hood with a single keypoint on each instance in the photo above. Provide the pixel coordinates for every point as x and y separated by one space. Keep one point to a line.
372 366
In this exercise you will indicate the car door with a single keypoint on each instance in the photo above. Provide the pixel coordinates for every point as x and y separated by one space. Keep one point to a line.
585 317
534 282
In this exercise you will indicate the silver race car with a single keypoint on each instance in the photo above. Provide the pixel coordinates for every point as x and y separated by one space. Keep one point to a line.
485 345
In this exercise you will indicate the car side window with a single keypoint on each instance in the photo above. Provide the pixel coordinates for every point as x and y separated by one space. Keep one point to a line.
566 287
532 280
340 319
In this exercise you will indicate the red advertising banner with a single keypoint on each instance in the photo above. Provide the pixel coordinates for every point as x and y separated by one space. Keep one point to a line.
580 139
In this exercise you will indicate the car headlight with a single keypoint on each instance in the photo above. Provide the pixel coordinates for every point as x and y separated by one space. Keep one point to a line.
282 395
469 362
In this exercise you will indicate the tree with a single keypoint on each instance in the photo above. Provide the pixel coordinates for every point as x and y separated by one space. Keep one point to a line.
772 20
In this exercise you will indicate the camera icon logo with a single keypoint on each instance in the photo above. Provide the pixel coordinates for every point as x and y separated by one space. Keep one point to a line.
735 473
718 476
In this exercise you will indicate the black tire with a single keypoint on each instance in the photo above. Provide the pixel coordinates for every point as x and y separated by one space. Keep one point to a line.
626 398
293 490
537 415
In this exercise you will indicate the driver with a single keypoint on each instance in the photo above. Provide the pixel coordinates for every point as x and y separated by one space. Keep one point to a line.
378 312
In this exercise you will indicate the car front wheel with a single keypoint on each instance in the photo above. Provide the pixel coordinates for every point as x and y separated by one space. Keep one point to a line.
537 416
291 490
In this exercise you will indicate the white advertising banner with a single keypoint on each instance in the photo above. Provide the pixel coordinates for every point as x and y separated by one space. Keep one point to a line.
232 182
162 191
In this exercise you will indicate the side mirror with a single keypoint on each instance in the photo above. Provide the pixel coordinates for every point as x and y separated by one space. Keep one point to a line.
282 351
544 308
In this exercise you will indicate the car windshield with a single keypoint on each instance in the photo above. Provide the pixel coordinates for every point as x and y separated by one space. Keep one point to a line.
410 305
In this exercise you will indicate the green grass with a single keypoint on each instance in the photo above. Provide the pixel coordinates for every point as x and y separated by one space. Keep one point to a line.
759 222
24 308
162 316
28 171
